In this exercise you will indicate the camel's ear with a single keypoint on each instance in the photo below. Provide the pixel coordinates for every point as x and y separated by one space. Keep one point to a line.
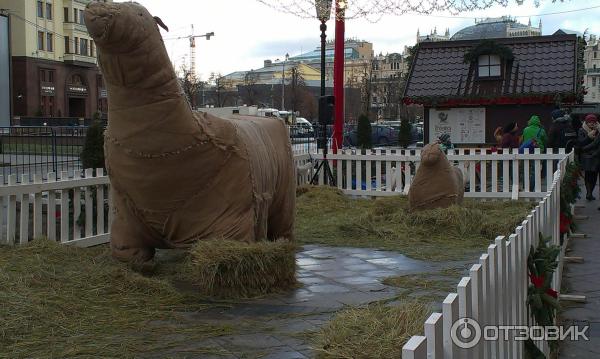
161 23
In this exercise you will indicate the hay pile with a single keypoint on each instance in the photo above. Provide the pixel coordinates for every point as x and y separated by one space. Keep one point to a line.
59 301
374 331
327 216
236 269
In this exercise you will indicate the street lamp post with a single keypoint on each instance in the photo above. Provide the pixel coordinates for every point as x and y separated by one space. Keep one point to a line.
287 56
323 13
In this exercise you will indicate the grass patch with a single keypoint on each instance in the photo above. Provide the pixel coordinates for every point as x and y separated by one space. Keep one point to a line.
327 216
60 301
374 331
238 269
418 282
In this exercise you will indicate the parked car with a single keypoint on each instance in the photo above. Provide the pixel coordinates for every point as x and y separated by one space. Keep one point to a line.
302 129
381 135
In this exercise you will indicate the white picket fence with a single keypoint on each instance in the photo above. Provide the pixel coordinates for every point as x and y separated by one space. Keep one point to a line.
74 208
502 174
495 292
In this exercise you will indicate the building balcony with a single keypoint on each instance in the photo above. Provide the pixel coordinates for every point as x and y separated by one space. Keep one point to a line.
73 29
593 71
80 60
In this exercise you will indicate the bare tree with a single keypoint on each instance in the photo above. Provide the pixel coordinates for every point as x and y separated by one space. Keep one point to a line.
190 84
250 91
221 90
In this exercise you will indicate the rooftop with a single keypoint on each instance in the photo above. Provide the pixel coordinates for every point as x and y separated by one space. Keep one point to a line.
542 65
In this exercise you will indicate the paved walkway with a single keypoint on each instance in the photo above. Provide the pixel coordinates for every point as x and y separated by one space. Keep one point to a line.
584 279
276 326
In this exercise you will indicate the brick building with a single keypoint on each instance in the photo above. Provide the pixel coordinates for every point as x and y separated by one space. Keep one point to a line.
54 71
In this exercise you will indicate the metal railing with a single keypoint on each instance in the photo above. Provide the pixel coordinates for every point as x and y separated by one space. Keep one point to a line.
40 150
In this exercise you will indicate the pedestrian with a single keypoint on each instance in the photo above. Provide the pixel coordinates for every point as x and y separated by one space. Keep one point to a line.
445 142
534 135
589 143
510 137
561 133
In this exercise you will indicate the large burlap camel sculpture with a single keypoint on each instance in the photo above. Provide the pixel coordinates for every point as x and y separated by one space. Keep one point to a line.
437 184
178 176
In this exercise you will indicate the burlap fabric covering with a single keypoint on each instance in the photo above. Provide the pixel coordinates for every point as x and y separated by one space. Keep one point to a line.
178 177
437 184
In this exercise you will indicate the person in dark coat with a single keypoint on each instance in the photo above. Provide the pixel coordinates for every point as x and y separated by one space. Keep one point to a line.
561 133
589 143
510 138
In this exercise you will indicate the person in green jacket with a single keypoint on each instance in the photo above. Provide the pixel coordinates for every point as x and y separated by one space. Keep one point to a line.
535 130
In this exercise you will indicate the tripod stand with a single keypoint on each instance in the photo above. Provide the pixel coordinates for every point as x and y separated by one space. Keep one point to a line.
324 165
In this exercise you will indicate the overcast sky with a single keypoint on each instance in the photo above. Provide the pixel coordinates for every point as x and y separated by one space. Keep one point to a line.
248 32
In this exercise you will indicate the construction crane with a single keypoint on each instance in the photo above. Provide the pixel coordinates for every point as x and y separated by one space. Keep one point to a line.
192 39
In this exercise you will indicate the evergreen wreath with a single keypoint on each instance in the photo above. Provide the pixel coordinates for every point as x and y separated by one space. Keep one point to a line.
542 299
489 47
569 193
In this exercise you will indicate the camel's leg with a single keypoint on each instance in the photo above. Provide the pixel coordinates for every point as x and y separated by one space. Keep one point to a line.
283 214
129 237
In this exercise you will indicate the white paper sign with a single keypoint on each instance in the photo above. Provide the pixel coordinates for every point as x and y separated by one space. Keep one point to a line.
464 125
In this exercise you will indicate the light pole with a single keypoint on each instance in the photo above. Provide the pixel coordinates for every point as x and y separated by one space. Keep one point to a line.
287 56
323 13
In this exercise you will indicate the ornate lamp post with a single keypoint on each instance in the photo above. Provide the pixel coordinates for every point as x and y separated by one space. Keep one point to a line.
323 14
287 56
325 105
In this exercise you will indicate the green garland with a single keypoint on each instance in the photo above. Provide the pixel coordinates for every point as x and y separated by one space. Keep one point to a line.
541 298
570 192
489 47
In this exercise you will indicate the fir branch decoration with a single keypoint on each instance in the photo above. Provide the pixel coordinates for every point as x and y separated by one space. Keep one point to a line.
541 298
489 47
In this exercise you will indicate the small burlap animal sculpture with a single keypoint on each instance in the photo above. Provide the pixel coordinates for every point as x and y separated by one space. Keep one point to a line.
437 184
178 177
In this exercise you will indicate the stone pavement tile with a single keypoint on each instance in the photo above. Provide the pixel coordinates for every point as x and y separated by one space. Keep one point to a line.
357 280
240 342
335 273
307 262
363 267
381 274
369 254
311 280
327 288
581 278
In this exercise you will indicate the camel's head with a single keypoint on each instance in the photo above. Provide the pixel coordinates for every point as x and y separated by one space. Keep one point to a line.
121 27
432 154
130 48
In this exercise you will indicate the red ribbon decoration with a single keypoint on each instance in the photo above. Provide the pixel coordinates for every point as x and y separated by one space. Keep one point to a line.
538 282
565 223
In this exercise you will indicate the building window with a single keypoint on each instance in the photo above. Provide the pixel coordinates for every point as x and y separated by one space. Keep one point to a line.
41 40
49 42
83 47
67 45
593 81
81 17
76 45
489 66
595 54
40 9
48 11
50 75
66 15
75 17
